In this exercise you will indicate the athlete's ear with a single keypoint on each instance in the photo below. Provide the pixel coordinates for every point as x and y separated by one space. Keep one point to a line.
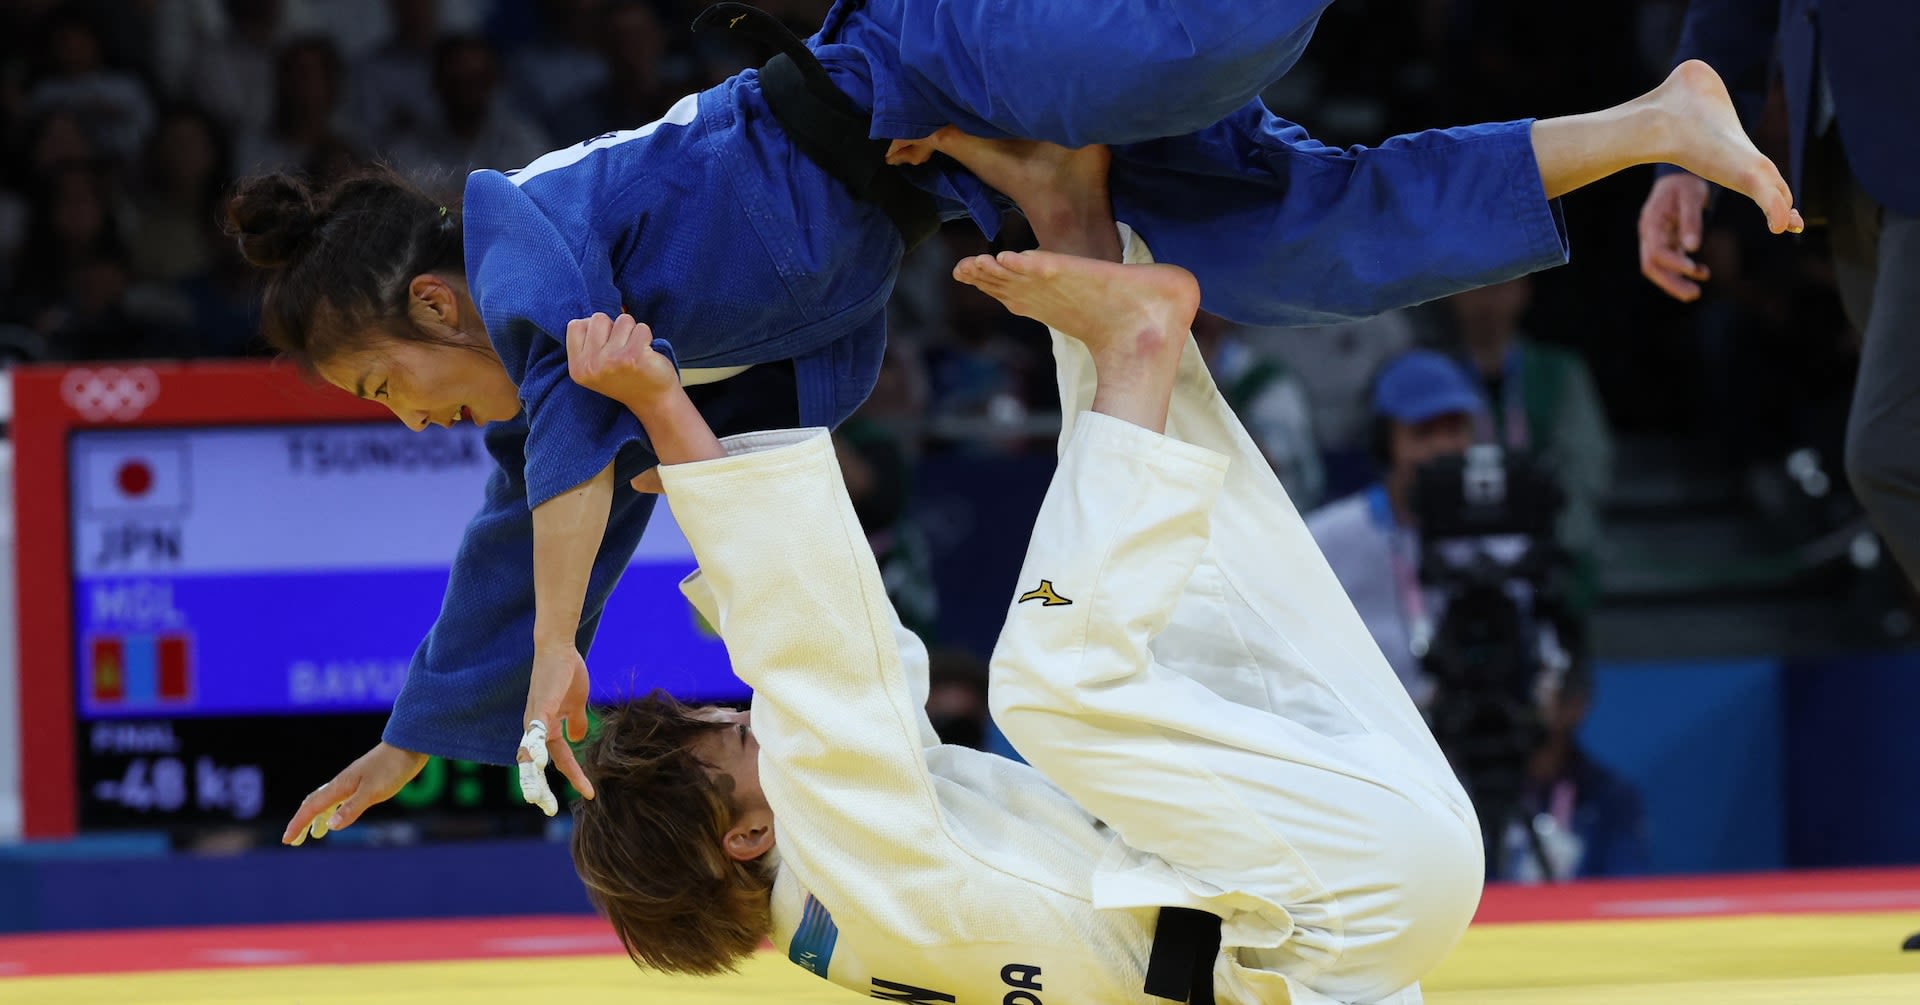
751 837
432 299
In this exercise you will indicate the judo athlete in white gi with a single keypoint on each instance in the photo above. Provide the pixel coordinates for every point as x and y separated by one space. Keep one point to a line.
1209 725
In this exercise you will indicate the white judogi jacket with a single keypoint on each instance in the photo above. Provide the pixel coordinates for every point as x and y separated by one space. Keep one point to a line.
908 870
1198 682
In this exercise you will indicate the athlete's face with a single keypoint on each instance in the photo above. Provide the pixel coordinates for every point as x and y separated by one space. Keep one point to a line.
1417 443
734 753
428 384
452 374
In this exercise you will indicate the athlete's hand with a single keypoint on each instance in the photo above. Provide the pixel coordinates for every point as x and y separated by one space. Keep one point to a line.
373 778
616 357
556 713
1670 234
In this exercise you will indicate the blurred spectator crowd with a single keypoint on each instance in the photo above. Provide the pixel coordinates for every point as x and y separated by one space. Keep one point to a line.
125 120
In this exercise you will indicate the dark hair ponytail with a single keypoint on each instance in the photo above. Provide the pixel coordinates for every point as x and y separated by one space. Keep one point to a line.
339 262
273 216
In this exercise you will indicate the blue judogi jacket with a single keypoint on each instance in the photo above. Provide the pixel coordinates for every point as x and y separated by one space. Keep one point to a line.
714 229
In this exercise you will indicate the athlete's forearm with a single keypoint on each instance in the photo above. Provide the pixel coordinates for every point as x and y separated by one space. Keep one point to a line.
567 531
677 430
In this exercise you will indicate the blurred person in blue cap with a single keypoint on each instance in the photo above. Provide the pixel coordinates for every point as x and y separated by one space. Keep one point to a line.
1425 407
1589 820
1541 402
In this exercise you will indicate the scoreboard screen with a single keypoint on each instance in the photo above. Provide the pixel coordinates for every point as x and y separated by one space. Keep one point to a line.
241 597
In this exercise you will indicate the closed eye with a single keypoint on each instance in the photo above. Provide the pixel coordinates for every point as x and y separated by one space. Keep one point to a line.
381 391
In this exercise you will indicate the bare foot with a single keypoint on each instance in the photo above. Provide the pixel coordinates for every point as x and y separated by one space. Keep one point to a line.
1062 192
1134 319
1707 139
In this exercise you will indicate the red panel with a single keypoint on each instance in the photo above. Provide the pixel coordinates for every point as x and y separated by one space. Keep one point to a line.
50 402
1806 892
287 945
176 668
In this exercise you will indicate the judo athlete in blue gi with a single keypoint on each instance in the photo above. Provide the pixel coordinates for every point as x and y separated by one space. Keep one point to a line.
766 254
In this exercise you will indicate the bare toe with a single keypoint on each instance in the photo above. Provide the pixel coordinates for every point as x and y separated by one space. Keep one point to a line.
970 269
1034 264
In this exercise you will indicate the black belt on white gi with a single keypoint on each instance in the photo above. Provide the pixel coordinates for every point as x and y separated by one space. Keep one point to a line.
826 124
1185 944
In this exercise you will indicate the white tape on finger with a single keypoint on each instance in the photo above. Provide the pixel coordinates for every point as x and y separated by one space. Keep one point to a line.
533 771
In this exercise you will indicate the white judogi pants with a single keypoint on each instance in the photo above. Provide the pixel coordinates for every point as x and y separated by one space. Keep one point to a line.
1211 695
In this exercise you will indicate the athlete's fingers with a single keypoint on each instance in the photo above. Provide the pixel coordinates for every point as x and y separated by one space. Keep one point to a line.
532 759
619 333
576 719
323 823
577 339
1673 284
346 813
311 808
564 760
1670 260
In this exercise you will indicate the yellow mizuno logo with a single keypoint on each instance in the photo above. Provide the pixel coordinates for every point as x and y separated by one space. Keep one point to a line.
1044 593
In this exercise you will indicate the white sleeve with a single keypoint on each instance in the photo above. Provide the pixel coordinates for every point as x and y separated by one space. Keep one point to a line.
914 662
839 686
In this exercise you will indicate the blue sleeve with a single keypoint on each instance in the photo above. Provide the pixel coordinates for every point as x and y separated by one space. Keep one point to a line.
1281 229
466 690
573 432
530 280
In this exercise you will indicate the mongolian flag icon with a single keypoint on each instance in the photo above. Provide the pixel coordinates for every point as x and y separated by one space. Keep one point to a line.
142 669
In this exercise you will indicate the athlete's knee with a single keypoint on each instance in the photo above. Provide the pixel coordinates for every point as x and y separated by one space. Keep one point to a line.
1444 876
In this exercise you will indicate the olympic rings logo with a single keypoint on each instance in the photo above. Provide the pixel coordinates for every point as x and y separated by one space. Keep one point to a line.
109 393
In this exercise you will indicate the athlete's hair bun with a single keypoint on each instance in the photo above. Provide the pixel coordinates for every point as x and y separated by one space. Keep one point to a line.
272 216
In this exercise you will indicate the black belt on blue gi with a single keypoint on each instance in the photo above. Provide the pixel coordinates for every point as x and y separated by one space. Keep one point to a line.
1185 944
826 124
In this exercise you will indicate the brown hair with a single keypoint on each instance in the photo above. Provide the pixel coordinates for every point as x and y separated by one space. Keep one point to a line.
341 261
649 845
